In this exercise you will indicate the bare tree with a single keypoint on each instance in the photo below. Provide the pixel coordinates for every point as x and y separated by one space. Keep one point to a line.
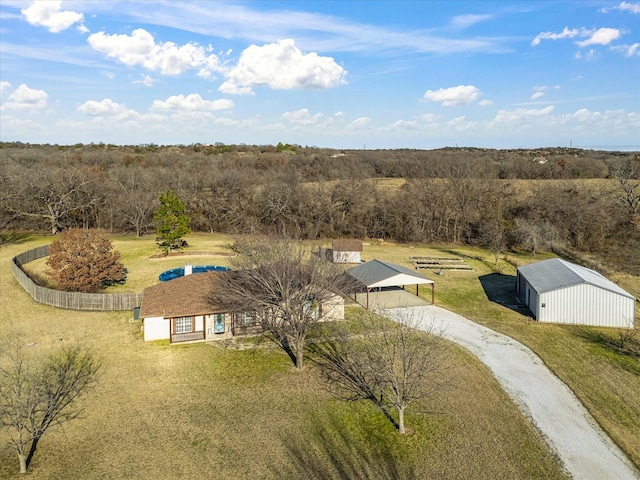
431 207
627 177
39 393
54 196
536 235
493 236
137 199
287 288
390 364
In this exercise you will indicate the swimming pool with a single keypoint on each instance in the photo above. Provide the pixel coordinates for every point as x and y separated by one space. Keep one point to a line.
179 272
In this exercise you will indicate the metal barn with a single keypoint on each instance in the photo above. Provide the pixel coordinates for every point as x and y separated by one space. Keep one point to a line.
557 291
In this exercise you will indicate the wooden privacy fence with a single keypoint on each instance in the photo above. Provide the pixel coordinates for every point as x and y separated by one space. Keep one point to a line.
69 300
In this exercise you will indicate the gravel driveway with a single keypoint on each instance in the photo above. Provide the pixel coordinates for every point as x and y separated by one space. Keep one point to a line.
569 430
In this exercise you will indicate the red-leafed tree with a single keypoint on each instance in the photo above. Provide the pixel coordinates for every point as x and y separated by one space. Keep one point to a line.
84 261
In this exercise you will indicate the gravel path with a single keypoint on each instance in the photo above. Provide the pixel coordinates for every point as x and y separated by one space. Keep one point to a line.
569 430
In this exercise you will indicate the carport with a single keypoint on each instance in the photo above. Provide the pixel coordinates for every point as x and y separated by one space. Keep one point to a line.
383 277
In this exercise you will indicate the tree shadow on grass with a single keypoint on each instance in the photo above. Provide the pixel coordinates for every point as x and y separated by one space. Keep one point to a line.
328 452
624 344
7 238
501 289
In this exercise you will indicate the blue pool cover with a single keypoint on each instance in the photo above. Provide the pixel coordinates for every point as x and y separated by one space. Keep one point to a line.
179 272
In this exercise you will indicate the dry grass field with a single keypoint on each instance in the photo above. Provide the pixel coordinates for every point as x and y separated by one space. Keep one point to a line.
202 411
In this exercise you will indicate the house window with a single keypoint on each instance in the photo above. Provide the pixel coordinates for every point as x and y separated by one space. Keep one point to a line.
312 308
245 319
184 324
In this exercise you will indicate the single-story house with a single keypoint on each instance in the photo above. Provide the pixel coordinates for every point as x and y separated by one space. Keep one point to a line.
343 251
558 291
180 310
376 275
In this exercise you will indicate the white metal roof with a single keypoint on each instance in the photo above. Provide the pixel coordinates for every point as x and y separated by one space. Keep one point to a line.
555 273
376 273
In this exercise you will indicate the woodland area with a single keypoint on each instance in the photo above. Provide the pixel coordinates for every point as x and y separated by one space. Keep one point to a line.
577 202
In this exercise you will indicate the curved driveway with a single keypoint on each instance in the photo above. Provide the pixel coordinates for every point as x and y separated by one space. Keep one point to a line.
569 430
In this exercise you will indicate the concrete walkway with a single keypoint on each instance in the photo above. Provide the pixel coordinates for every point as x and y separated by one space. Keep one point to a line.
569 430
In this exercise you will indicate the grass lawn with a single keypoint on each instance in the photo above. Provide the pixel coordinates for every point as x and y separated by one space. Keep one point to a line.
606 381
203 411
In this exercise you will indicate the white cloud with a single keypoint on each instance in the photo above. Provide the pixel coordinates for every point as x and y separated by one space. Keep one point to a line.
140 49
453 96
360 122
460 124
626 6
566 33
109 75
191 103
521 115
302 117
225 121
403 125
613 120
105 107
283 66
147 81
591 55
4 86
229 88
23 98
537 94
464 21
583 115
628 50
47 13
485 103
602 36
430 117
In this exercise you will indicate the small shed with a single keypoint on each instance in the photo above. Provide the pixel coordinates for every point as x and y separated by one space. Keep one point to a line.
343 251
558 291
376 275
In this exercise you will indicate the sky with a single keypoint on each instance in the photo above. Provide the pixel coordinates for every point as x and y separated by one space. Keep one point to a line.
333 74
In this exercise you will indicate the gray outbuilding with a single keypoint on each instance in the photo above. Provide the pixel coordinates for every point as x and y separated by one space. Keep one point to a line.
557 291
377 276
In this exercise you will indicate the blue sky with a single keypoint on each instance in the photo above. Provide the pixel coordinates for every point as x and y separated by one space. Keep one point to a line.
337 74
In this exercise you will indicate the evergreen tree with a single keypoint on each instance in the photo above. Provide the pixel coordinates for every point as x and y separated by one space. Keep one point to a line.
171 222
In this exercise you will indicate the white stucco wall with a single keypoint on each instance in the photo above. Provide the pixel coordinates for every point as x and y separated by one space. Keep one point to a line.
333 309
199 323
156 328
346 257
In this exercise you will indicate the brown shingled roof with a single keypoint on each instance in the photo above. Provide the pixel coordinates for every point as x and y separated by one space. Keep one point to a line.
346 245
180 297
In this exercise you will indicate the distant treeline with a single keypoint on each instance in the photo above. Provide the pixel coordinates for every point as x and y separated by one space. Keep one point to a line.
563 198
